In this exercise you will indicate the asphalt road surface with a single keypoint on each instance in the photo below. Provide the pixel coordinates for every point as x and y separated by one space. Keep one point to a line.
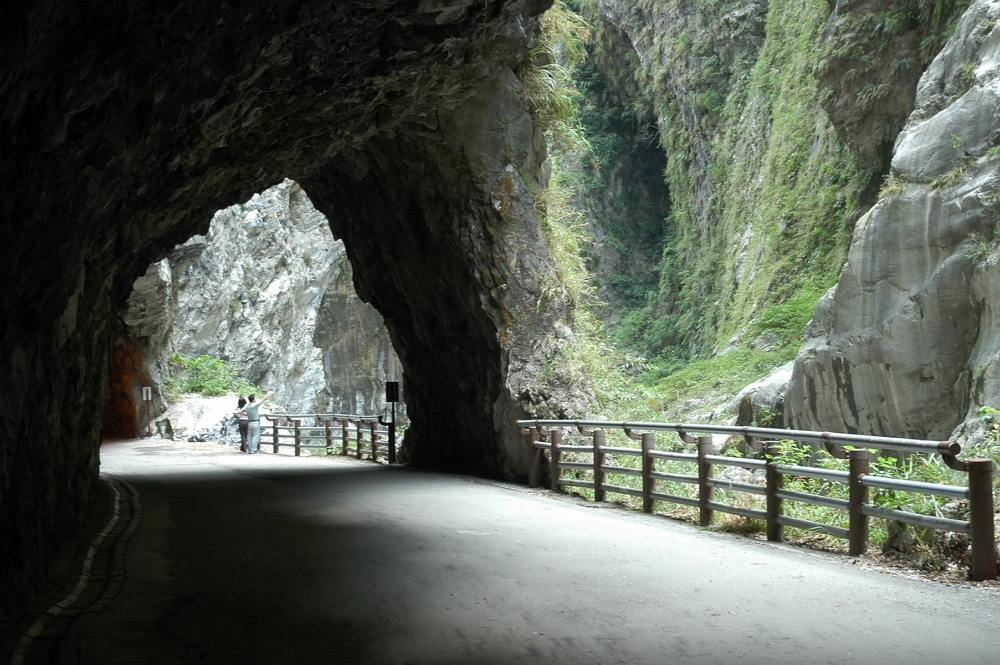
217 557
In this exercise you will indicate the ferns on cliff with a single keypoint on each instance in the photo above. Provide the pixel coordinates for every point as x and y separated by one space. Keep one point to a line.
546 75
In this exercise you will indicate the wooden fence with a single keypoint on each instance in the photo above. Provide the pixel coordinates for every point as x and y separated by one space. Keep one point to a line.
548 435
361 436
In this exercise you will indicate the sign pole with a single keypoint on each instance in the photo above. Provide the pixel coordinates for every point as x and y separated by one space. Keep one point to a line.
147 396
391 396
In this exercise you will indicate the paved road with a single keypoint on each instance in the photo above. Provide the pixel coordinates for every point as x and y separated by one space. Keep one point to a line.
275 559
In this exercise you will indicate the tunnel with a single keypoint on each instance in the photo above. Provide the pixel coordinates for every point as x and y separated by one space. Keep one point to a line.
127 124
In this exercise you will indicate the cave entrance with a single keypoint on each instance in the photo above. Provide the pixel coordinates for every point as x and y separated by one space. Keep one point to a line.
266 293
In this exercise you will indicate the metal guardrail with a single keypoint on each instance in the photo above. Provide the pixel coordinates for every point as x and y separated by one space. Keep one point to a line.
853 447
361 435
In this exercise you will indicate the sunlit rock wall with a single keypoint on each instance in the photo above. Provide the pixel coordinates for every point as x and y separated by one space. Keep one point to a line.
357 356
907 342
256 291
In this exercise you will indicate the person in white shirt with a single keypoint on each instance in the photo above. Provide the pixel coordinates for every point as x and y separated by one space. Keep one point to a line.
252 409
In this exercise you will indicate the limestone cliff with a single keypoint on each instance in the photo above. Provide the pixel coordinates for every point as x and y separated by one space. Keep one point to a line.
906 343
357 355
778 121
763 188
268 290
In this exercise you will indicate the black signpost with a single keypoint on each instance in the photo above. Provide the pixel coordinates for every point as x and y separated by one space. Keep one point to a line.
391 396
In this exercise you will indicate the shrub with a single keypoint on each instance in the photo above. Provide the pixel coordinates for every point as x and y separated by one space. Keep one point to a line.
204 375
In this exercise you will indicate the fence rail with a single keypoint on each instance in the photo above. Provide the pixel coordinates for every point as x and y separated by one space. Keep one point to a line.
547 435
363 436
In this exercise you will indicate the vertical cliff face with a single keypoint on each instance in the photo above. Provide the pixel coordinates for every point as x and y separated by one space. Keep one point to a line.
906 343
780 120
256 291
763 189
358 357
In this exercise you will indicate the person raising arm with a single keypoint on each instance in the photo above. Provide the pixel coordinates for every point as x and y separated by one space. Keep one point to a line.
252 409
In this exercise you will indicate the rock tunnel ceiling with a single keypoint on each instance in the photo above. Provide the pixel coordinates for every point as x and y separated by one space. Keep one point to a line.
127 125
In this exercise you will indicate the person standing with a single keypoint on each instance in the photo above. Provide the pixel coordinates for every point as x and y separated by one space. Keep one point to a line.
252 409
242 421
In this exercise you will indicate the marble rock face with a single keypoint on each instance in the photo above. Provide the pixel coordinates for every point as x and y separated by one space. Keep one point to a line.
269 291
906 344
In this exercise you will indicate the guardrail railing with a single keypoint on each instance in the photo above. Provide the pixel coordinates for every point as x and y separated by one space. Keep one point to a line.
548 435
361 435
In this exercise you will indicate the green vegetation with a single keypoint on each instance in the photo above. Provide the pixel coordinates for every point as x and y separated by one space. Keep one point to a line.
892 186
760 193
989 447
546 74
719 314
951 177
978 247
204 375
763 195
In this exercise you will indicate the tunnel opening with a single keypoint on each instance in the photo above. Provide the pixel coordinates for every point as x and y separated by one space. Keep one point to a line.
122 147
264 299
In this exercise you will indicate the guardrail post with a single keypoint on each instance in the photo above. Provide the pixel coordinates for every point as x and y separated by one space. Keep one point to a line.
599 440
534 459
298 437
343 437
983 564
857 498
648 444
327 427
359 437
556 440
274 432
775 481
374 437
705 491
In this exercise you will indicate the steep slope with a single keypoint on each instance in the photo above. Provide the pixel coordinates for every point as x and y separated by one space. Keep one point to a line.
777 121
763 188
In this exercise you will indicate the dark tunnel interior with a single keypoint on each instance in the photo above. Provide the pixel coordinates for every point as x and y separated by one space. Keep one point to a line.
126 125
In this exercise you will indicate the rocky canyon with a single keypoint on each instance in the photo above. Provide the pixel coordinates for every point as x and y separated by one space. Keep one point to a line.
749 159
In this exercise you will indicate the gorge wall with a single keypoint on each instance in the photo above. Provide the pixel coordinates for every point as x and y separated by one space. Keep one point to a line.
907 341
776 120
269 291
126 126
782 123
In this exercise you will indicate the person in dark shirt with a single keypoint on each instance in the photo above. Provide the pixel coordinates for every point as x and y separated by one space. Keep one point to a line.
242 421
